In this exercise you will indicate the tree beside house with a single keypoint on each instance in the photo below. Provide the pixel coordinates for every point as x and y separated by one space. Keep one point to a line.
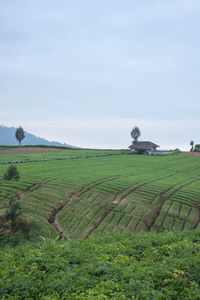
192 146
143 146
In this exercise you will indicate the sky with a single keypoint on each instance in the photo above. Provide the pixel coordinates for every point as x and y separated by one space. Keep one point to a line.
86 72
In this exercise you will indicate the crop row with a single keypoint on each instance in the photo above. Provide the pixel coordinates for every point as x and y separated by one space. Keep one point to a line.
121 193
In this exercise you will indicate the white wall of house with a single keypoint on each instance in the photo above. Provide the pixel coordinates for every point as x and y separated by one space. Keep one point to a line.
162 153
148 151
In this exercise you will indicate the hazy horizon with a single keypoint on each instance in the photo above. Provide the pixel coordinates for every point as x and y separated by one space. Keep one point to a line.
85 73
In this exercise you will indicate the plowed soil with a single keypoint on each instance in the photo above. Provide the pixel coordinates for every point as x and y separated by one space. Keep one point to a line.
191 153
29 150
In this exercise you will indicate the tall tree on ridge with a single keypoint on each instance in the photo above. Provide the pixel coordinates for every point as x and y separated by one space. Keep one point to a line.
19 134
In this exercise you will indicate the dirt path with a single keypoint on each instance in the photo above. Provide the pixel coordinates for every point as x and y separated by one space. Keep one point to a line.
155 212
191 153
76 194
186 218
117 200
84 190
196 220
30 150
30 189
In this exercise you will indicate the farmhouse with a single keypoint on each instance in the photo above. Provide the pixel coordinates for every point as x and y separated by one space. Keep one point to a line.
147 147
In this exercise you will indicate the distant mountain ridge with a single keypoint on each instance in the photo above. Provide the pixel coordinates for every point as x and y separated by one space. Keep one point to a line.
7 137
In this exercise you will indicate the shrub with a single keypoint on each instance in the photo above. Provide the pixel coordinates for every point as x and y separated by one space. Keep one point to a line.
12 173
141 266
140 151
176 151
14 215
197 148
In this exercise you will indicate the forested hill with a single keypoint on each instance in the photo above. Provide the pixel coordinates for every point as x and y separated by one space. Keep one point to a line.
7 137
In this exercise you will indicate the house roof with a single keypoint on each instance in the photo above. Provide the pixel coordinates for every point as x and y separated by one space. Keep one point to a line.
143 145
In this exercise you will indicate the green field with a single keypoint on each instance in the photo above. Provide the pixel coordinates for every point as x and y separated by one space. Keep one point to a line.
52 155
89 196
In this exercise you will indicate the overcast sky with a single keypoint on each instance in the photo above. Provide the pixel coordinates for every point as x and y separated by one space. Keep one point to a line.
86 72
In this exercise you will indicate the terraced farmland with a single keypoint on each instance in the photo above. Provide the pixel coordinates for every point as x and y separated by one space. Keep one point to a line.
125 193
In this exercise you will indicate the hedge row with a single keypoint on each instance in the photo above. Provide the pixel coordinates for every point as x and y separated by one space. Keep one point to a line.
58 158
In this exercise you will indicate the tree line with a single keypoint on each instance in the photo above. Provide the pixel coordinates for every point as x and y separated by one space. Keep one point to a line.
135 134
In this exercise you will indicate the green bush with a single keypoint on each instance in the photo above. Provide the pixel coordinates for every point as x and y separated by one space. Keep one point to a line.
197 148
13 215
140 151
12 173
177 151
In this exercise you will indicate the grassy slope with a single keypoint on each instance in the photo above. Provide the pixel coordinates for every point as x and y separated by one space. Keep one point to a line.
142 266
106 195
98 195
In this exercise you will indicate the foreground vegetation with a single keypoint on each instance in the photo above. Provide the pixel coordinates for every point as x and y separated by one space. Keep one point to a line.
98 204
139 266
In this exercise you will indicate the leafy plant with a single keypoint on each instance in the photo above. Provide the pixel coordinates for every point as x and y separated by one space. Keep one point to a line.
12 173
140 151
14 214
197 148
141 266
